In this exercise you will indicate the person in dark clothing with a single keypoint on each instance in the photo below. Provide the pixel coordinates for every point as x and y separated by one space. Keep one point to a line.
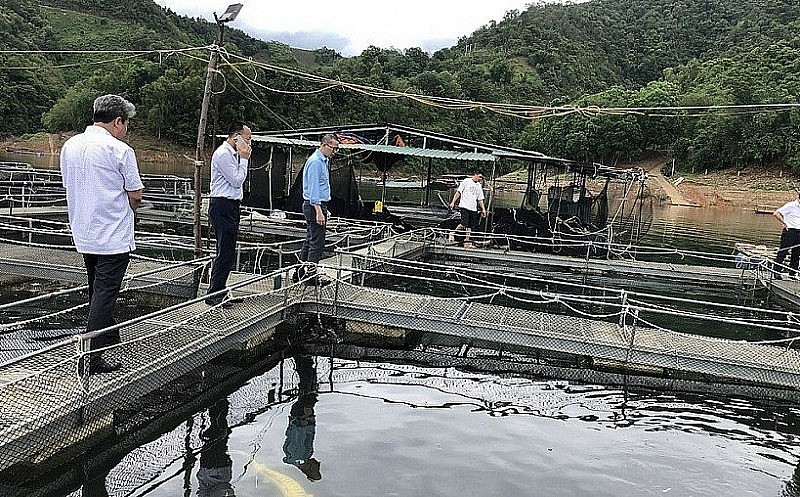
215 472
299 445
789 217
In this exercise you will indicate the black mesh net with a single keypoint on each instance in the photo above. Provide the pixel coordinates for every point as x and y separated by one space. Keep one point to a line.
345 201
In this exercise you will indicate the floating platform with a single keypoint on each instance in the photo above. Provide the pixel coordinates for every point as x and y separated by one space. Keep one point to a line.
50 405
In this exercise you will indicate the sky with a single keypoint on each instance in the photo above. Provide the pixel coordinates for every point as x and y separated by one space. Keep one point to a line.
355 25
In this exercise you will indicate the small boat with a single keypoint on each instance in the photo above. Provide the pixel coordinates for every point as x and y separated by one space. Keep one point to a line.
24 151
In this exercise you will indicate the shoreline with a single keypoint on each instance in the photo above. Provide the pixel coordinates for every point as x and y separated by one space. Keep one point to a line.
749 189
147 149
758 189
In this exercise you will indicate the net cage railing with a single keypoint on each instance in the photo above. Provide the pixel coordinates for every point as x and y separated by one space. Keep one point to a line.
22 172
27 187
252 256
42 250
288 253
752 318
47 387
699 338
578 247
622 314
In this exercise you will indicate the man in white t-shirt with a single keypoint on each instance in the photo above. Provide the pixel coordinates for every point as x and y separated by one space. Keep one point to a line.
789 216
101 176
469 197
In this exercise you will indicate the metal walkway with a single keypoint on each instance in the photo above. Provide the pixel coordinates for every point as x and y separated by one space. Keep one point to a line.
626 344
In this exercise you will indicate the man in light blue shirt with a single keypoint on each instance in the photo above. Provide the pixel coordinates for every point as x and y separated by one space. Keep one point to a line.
228 172
316 195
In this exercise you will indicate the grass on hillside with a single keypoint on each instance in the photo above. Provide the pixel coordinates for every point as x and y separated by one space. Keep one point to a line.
79 31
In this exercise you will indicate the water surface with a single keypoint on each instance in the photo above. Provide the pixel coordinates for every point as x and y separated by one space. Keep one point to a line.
384 429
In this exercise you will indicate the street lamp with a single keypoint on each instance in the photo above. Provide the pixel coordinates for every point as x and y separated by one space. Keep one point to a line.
228 16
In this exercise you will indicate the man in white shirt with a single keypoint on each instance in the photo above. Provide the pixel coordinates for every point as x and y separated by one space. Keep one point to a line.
469 197
789 217
228 172
101 176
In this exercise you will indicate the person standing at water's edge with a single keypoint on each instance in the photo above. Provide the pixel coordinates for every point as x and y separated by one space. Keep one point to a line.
789 217
316 195
469 197
228 172
101 176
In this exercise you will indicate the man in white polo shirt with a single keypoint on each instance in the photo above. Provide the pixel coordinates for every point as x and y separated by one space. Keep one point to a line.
789 216
101 176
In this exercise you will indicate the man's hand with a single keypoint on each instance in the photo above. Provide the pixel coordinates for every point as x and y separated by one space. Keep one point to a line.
483 213
320 215
243 149
134 199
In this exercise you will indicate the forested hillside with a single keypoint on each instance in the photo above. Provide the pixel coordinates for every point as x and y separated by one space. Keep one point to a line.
590 56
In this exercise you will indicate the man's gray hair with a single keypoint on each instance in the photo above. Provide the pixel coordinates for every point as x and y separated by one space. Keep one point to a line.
109 107
328 138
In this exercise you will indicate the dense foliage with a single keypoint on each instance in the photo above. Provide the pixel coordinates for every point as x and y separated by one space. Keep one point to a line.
602 53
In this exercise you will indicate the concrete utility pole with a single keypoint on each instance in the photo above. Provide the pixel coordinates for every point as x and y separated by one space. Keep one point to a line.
199 161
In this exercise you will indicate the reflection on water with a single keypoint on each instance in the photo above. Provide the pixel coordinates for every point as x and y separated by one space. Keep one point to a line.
95 486
299 445
214 475
395 429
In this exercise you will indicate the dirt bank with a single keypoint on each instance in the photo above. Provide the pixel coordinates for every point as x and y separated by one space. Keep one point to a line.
148 149
747 188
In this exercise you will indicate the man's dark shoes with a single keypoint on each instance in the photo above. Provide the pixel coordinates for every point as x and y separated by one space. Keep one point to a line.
100 366
225 304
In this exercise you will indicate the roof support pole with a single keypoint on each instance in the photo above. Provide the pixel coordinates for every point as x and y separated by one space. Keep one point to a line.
428 182
491 199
